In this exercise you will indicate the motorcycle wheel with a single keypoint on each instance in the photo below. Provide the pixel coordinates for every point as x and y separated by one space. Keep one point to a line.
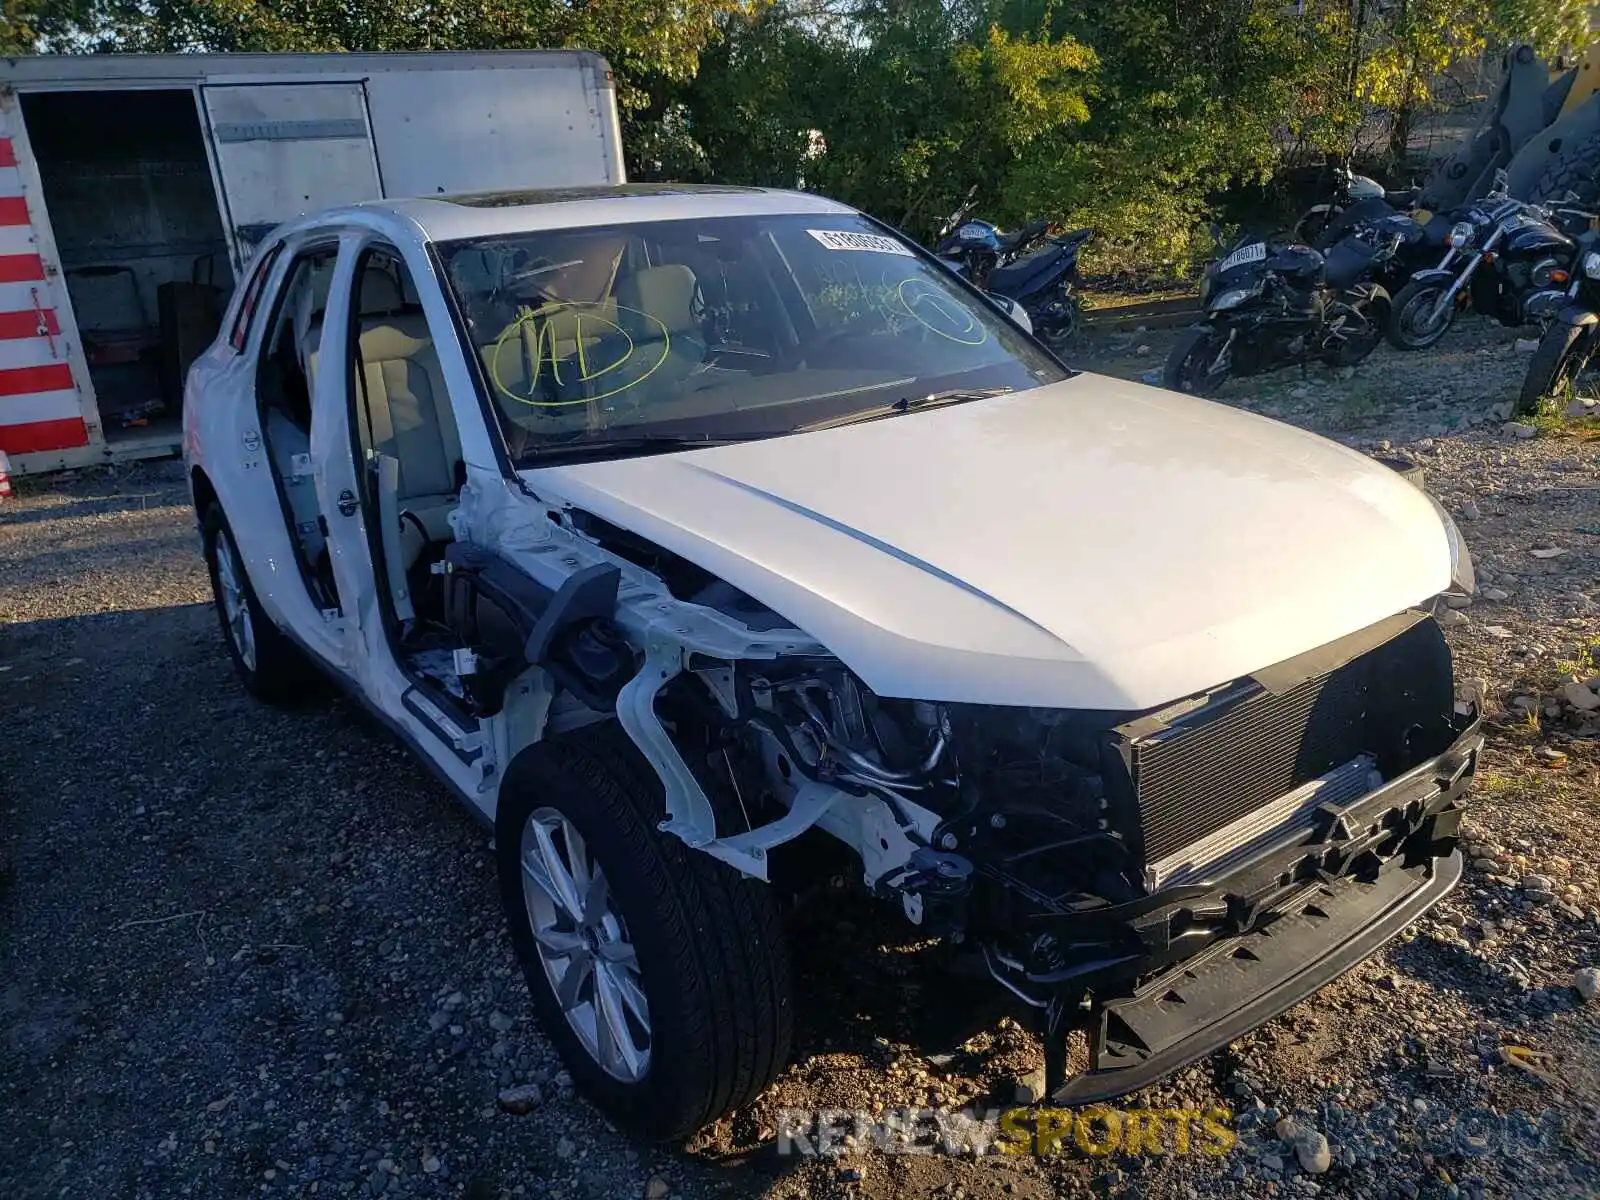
1361 318
1407 328
1313 222
1558 359
1192 367
1056 322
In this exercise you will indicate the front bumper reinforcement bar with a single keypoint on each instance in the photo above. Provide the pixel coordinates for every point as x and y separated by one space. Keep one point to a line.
1342 911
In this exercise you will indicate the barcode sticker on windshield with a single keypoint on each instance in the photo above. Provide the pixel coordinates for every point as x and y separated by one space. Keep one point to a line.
838 239
1254 252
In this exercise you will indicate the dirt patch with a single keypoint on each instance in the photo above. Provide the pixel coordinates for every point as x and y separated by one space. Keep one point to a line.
249 952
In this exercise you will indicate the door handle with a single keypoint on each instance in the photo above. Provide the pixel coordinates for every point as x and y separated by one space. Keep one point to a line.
347 503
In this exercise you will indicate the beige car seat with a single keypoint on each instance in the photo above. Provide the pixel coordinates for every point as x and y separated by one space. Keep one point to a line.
542 356
656 305
408 409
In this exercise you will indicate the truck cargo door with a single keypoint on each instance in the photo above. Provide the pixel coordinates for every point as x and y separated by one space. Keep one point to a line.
283 149
46 399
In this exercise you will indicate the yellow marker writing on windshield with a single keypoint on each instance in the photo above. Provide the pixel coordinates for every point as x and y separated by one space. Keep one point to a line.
542 327
959 321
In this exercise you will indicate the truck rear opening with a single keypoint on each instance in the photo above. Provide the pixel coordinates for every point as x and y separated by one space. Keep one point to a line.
140 241
135 188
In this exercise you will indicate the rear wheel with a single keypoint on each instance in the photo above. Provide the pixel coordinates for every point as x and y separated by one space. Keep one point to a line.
660 974
1057 321
1356 321
271 667
1560 357
1413 323
1313 223
1199 363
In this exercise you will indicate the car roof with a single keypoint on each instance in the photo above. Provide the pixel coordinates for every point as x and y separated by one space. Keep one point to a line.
485 214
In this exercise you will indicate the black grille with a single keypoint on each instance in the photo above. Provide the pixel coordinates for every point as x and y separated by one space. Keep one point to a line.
1250 745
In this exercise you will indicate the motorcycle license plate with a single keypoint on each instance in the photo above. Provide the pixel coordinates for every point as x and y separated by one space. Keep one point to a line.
1254 252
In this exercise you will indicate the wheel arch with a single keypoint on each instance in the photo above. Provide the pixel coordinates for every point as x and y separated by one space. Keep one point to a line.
519 773
202 493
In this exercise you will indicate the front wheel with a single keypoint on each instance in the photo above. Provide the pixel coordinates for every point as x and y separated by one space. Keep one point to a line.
1563 352
1199 363
660 974
1413 323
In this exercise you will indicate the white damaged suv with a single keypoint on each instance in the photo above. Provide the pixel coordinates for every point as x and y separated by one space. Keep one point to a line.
682 530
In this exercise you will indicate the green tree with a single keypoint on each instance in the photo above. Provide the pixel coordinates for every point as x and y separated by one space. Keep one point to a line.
915 102
648 43
1408 45
1136 116
1195 98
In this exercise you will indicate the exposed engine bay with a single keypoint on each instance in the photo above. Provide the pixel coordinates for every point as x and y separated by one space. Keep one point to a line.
1083 854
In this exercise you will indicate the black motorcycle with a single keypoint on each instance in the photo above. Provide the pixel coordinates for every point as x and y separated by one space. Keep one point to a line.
975 248
1350 191
1271 305
1424 237
1499 253
1571 319
1044 281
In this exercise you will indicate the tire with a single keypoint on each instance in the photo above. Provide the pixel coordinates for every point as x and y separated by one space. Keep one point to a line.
1416 297
1552 363
1578 172
1185 369
711 961
1368 314
1314 222
1057 322
271 667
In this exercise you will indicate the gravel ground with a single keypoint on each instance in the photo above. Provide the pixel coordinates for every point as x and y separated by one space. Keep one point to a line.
251 952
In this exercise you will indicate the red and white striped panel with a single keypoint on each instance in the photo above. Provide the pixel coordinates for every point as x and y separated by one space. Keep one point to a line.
39 406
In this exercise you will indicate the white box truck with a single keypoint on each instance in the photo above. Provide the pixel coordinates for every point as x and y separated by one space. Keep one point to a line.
133 189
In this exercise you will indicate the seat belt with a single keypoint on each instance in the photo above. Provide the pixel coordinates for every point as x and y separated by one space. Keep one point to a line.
389 534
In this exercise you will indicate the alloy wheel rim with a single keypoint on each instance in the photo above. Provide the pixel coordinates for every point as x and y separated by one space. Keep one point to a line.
583 946
235 605
1420 316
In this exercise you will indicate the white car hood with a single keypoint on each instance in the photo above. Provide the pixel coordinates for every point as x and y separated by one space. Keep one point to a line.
1090 544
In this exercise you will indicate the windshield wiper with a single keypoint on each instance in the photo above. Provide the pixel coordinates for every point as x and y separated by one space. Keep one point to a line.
904 405
627 446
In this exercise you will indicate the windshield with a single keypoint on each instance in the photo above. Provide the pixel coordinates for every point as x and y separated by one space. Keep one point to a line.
720 329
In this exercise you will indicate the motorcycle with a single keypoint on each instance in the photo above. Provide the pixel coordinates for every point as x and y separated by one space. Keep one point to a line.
1043 281
974 248
1571 319
1269 306
1350 190
1520 243
1424 236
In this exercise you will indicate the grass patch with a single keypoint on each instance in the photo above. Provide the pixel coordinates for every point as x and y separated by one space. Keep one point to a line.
1585 660
1100 301
1551 415
1491 782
